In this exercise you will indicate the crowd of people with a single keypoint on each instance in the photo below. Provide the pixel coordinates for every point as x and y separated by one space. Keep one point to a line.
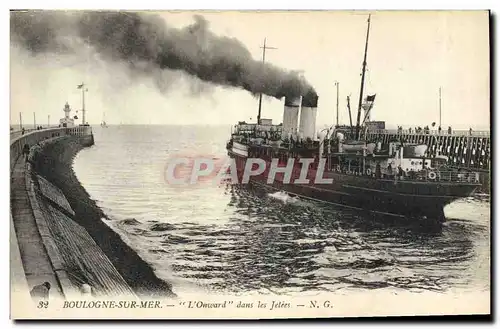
23 130
426 130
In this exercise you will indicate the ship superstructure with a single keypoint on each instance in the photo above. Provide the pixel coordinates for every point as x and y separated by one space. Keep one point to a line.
392 178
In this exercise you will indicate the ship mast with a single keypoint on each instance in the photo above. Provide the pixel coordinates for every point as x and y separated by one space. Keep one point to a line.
263 61
362 79
349 109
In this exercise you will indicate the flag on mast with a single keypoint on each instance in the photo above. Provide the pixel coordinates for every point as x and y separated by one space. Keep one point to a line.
370 98
80 86
368 103
367 106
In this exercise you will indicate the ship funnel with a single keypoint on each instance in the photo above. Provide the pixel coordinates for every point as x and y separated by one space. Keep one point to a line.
308 112
291 116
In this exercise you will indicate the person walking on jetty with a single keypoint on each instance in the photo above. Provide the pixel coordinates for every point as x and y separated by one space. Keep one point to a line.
26 151
41 291
86 291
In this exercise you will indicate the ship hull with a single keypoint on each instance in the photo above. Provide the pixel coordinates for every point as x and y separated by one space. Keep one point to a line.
404 199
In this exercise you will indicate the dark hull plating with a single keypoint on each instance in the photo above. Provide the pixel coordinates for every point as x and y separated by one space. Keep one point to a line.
417 200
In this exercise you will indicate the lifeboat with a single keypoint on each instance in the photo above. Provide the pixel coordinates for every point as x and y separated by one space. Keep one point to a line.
358 146
415 151
353 146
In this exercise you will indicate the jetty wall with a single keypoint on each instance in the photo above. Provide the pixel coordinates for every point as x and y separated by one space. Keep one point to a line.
17 141
50 245
63 197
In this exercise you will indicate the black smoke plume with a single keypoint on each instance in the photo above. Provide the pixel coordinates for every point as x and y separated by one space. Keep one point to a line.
145 42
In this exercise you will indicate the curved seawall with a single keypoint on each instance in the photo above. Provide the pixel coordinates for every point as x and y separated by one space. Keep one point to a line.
58 229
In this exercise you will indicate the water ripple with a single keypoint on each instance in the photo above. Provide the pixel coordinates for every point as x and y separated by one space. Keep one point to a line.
239 240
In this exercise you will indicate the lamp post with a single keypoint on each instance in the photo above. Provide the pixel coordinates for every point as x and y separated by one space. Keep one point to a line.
439 106
337 85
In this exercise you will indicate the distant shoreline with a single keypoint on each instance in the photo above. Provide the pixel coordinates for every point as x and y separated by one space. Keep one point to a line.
319 126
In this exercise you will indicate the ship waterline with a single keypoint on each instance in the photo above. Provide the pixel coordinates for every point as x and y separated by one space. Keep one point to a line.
392 197
186 202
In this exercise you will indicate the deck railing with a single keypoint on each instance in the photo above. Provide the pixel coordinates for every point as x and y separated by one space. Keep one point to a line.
16 132
423 175
447 176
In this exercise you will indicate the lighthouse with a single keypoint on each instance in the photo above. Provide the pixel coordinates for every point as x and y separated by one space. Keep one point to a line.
67 121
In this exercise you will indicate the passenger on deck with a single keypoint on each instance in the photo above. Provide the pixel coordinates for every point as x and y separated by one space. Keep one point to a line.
401 173
461 175
378 171
468 176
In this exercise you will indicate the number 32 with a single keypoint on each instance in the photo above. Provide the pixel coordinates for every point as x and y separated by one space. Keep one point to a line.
43 304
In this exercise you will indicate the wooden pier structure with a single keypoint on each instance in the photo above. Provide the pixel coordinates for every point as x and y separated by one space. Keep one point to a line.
464 149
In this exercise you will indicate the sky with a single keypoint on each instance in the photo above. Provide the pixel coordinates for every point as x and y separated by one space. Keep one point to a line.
410 56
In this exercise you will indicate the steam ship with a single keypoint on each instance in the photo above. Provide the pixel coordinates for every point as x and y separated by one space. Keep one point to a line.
392 179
